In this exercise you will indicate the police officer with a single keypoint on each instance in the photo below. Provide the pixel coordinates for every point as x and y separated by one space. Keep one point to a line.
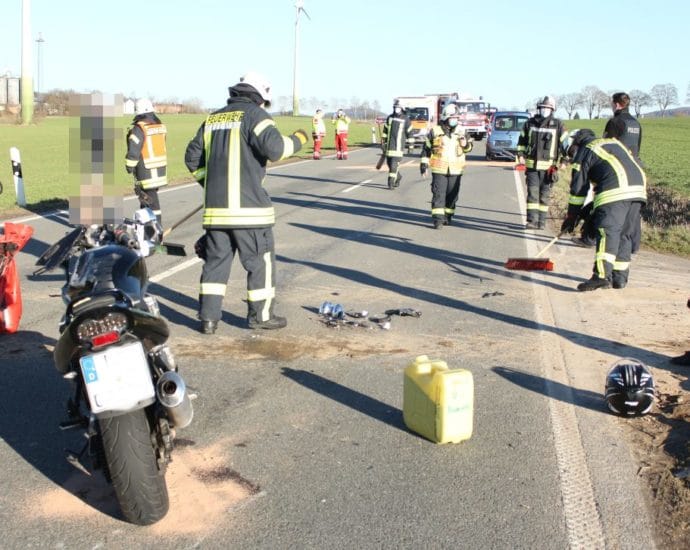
147 155
394 140
444 152
228 158
620 189
623 126
541 149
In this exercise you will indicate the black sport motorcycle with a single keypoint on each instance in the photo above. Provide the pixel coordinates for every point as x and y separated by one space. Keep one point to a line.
128 397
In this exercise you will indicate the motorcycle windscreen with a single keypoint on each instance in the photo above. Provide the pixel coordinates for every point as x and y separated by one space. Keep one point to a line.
118 379
58 252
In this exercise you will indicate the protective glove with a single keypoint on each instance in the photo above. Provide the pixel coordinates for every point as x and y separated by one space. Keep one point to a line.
302 136
200 247
569 223
422 169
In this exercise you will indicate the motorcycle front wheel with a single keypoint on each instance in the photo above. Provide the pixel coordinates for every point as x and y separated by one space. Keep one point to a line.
139 485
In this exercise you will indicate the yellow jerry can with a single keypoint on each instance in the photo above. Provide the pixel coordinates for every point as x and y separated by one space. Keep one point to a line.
438 402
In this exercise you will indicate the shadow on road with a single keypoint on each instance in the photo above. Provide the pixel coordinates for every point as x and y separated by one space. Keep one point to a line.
378 410
31 408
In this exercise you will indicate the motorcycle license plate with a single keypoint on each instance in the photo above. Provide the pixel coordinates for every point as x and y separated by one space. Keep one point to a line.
118 378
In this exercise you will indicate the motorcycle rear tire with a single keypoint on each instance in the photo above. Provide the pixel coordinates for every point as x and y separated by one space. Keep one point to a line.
139 485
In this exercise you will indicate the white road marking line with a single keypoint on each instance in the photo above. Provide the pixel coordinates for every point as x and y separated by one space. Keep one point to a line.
353 187
168 272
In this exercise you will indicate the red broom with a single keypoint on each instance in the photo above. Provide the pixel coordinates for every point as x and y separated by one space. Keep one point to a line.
533 264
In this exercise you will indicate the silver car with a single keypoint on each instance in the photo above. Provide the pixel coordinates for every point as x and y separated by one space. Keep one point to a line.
504 131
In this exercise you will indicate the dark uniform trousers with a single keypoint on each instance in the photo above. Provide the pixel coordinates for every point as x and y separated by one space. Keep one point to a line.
149 198
393 176
445 189
257 255
618 237
538 195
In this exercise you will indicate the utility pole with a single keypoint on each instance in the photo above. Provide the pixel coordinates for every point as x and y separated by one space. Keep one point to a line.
299 4
27 82
39 41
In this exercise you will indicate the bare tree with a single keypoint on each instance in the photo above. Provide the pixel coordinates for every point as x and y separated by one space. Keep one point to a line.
664 95
570 102
603 100
638 100
589 99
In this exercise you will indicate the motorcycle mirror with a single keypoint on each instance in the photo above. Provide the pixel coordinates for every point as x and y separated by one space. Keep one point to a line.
171 249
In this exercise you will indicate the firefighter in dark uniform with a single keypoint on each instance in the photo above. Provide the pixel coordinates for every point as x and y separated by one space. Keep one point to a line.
147 155
626 129
541 149
394 141
228 158
444 152
620 189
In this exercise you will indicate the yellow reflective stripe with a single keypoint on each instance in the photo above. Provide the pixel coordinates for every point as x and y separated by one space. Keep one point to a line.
450 211
259 294
199 174
288 147
577 201
575 166
613 195
438 211
239 216
152 183
543 208
267 293
234 167
131 163
134 138
532 205
600 254
216 289
262 126
621 266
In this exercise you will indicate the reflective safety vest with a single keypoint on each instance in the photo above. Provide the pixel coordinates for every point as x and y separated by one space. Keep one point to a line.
342 124
147 154
317 126
443 153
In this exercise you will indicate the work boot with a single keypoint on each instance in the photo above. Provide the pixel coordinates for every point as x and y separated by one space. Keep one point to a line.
683 360
531 225
273 323
585 243
208 327
593 284
397 180
541 225
447 220
438 223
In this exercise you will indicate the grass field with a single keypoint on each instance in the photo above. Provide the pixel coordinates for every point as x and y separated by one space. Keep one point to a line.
44 147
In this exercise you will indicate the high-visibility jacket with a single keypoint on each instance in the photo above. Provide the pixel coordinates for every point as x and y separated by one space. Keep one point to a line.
394 134
443 153
228 158
542 142
625 127
146 151
318 127
612 171
342 124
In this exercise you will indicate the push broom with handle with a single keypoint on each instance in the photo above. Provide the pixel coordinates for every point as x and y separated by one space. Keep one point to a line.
533 264
181 221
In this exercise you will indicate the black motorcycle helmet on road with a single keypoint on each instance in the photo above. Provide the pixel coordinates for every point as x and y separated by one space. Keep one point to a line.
629 388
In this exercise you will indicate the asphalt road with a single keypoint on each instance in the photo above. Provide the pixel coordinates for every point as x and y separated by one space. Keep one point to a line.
298 439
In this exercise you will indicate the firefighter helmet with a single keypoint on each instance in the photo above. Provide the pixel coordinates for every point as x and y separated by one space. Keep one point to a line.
576 138
450 110
629 387
143 105
548 101
260 84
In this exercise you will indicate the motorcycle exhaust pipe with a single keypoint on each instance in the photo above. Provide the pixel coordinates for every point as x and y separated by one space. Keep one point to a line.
172 394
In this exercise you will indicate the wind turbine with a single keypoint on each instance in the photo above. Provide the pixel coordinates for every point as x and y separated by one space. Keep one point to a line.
299 4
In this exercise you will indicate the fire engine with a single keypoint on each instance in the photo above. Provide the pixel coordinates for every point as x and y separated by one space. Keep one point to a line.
474 116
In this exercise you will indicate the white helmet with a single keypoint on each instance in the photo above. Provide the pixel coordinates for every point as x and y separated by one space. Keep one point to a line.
450 110
260 84
548 101
143 105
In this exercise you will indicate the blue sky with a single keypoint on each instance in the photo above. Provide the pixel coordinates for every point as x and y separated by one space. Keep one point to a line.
509 52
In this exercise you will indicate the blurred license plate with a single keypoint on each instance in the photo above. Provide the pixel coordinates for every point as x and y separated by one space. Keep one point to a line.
118 378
